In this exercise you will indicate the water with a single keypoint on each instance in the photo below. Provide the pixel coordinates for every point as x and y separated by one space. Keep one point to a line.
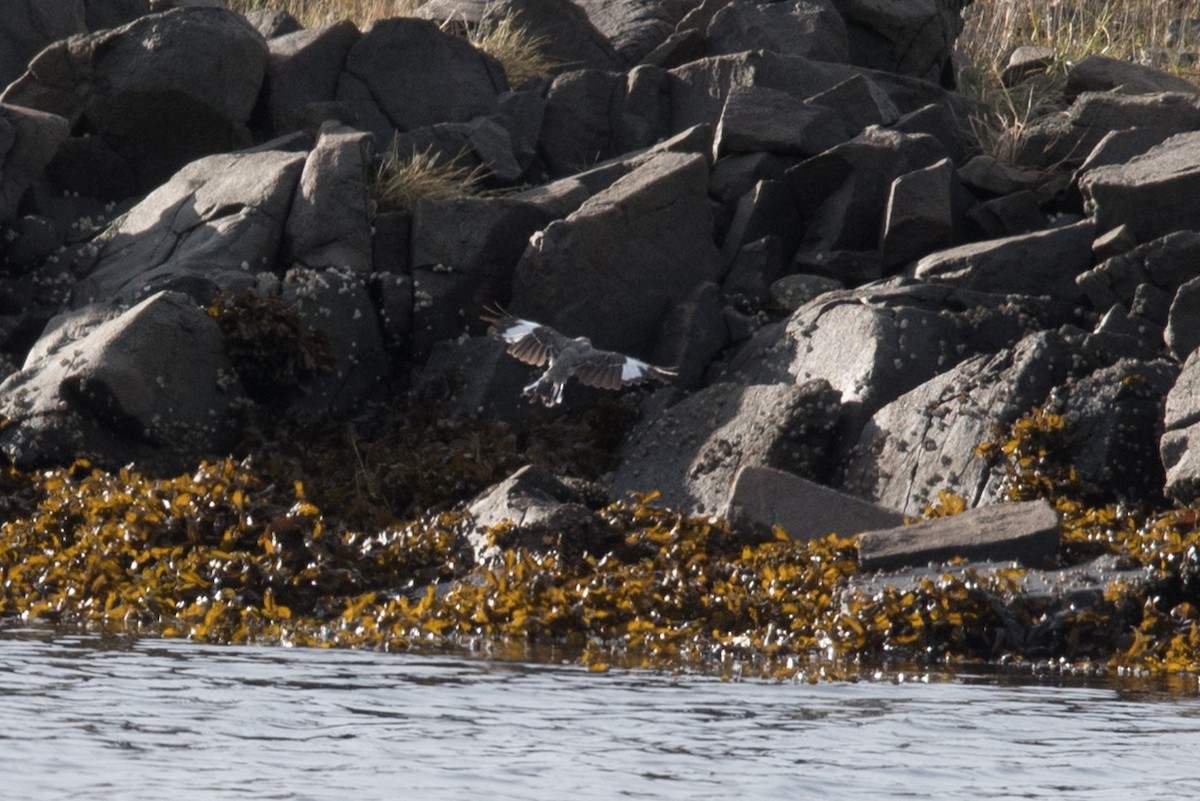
81 719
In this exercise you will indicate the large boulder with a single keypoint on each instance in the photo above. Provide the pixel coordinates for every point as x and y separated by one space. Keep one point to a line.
303 72
635 27
809 28
215 224
151 384
614 267
28 141
1042 263
160 91
406 73
927 439
30 25
1155 194
329 222
912 38
691 452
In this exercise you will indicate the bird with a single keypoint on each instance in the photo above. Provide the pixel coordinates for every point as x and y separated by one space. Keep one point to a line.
537 344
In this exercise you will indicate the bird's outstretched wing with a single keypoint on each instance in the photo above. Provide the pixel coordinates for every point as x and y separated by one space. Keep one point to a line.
608 370
532 343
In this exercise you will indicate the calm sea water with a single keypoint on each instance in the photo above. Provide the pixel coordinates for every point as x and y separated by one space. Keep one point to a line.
81 719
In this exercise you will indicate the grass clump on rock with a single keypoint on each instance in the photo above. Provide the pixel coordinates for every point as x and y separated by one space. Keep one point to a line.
401 179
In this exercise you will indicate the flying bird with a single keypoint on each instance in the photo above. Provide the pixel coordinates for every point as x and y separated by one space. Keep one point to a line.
537 344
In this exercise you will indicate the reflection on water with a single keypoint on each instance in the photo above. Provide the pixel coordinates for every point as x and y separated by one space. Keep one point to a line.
154 719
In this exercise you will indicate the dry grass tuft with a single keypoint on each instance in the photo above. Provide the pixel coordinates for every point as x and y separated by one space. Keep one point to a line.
314 13
521 53
1139 31
404 178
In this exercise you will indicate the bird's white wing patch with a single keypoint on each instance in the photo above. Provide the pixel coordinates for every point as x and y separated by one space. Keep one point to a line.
634 369
517 330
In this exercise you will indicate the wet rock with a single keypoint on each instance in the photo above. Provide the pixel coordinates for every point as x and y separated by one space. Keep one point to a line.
613 267
405 74
809 28
763 497
329 224
690 452
215 224
109 385
29 26
1041 263
1021 532
1154 194
161 91
571 41
336 303
546 514
28 141
303 70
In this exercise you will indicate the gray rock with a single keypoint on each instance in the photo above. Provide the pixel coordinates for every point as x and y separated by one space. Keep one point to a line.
101 14
272 23
405 74
1180 443
483 144
1027 61
809 28
87 166
988 176
29 26
1165 264
733 176
1021 532
859 103
476 376
758 119
592 115
763 497
793 291
690 452
28 141
1041 263
755 269
908 38
613 268
635 27
846 188
1119 147
215 224
158 107
1154 194
1096 73
1010 215
692 334
766 210
304 68
570 40
919 215
465 12
392 295
111 385
329 222
1183 324
547 515
464 253
1064 139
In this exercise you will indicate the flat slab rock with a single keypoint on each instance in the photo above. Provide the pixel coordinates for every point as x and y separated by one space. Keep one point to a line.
764 497
1023 532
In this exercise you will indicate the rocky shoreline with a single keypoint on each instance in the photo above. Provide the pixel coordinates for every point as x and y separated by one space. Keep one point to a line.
788 203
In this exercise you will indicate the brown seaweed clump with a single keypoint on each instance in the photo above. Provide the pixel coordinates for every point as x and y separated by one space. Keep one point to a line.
232 553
